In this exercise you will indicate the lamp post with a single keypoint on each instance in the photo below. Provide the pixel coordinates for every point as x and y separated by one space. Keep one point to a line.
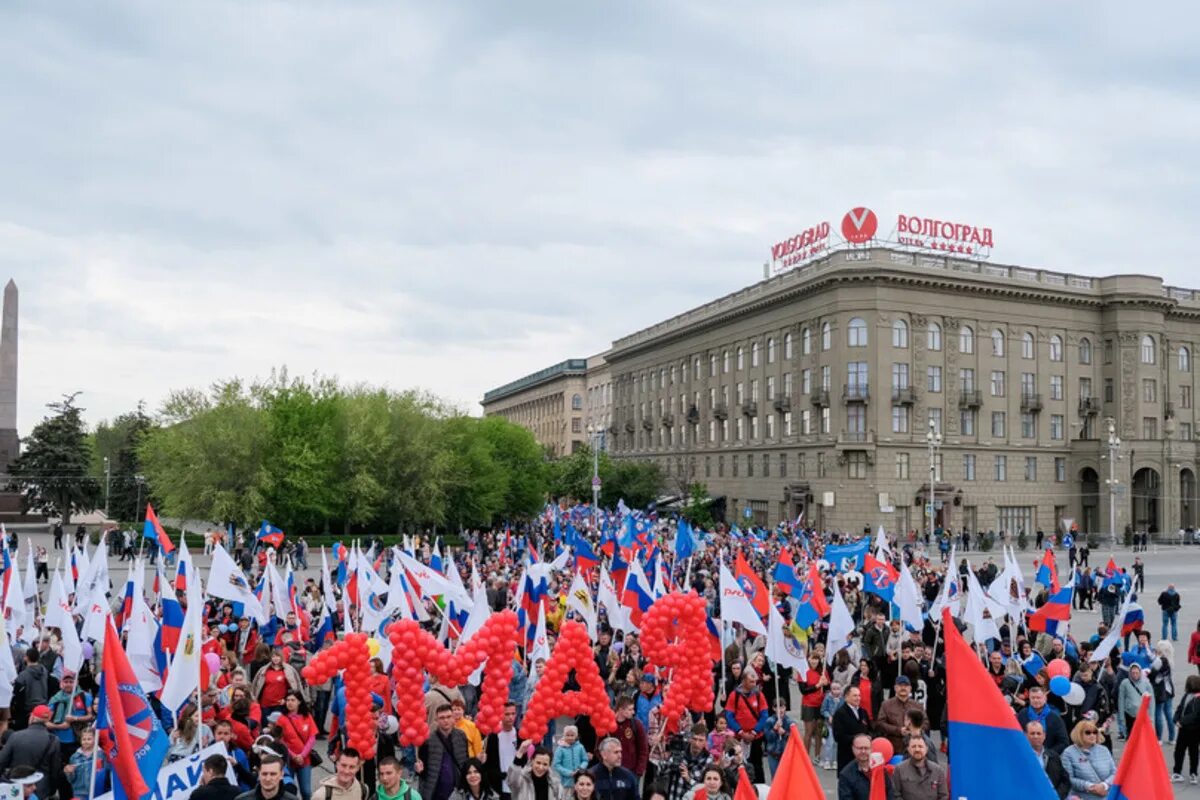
1114 454
934 439
107 484
594 439
139 480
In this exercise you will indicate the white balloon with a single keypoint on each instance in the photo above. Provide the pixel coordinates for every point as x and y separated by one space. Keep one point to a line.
1075 696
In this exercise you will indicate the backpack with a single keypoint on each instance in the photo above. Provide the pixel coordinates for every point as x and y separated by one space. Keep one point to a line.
1190 718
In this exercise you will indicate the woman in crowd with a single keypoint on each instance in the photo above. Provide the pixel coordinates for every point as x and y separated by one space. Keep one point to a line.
812 682
1129 697
1187 717
582 787
712 786
1089 763
1163 681
298 732
189 736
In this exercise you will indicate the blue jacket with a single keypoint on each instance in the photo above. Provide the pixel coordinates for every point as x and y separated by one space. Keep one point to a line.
567 760
1085 768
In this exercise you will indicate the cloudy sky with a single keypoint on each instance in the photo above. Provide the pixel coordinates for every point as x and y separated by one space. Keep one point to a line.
451 195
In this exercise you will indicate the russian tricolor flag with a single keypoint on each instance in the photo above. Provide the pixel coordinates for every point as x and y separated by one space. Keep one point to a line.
638 595
990 749
1133 620
1051 616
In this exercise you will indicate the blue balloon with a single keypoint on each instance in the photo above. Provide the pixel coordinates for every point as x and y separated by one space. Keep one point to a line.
1060 685
896 760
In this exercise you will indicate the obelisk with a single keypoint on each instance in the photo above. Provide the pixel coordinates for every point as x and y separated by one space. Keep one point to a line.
9 443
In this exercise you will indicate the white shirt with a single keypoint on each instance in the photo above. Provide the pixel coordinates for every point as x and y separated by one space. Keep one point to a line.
508 752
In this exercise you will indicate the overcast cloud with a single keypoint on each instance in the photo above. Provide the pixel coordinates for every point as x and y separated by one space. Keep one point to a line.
452 195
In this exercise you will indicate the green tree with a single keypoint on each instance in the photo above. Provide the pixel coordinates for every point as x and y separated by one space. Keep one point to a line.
476 484
208 460
119 441
524 464
638 482
53 471
696 507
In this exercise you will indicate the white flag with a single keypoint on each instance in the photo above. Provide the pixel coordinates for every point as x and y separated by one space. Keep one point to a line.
541 644
58 615
31 592
982 627
881 543
184 675
227 582
93 577
735 606
276 590
327 585
143 629
841 625
8 670
908 598
14 601
949 596
579 600
433 583
777 643
618 619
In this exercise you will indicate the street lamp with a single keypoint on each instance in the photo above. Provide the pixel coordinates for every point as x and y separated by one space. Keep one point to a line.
139 480
934 439
1114 454
107 485
594 440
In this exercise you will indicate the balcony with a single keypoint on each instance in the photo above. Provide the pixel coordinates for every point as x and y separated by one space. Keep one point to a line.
693 415
750 408
855 393
903 396
782 403
1168 409
668 420
1089 406
721 411
1031 402
647 423
970 398
856 440
820 398
629 426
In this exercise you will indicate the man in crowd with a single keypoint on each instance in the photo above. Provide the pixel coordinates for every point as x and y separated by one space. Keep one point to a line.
392 785
270 782
854 779
441 758
1052 723
37 747
1168 601
344 783
918 778
635 745
894 713
849 721
214 782
1035 732
613 781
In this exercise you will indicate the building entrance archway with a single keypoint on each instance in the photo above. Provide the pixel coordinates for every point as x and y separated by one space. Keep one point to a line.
1147 491
1089 492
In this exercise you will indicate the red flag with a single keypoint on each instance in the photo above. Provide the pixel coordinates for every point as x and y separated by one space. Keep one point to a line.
818 601
795 779
128 719
153 529
752 585
745 789
879 782
1142 773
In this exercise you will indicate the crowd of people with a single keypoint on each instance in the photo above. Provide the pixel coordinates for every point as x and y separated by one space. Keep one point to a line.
888 682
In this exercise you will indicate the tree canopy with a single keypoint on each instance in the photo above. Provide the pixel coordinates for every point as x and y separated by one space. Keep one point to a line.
53 472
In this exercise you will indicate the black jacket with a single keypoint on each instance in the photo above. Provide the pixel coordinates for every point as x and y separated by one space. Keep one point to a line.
38 748
1059 778
1168 601
217 789
613 784
846 725
431 754
254 794
854 784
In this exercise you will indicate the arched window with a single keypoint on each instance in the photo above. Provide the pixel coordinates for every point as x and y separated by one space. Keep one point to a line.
826 336
1027 345
856 333
787 345
725 361
1148 349
998 343
1085 350
576 402
712 366
934 336
1056 348
770 350
899 333
1185 360
966 339
672 375
805 341
741 358
754 354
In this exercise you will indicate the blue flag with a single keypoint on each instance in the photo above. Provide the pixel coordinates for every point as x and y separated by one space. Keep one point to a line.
846 557
685 543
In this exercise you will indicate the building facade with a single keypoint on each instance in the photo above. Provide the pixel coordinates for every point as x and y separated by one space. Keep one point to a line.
550 403
818 391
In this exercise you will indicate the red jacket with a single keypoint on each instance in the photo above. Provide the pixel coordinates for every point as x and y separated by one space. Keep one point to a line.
635 746
1194 648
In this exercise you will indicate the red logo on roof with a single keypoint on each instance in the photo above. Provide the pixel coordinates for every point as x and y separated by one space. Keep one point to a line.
859 225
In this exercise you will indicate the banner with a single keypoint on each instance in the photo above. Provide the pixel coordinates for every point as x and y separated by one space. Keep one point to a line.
177 781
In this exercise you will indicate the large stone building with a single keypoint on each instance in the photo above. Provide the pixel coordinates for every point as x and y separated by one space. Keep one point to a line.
814 391
550 403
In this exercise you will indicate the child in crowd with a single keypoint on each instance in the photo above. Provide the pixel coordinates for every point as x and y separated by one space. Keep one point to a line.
833 699
716 740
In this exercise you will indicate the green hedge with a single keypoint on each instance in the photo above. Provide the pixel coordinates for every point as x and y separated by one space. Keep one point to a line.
195 541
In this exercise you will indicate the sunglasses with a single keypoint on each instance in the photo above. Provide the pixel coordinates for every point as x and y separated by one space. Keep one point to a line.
1090 733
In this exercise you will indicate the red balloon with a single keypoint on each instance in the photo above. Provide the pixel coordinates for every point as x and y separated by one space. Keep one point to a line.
1058 666
883 747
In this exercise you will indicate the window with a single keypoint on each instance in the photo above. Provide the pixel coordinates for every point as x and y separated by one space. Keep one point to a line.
1150 427
725 430
1185 360
935 419
1001 468
708 466
1056 427
825 418
1031 468
787 423
1085 350
787 384
1056 387
899 333
998 424
1108 351
1060 469
856 333
1148 349
766 470
696 368
805 341
805 421
856 375
934 379
712 431
741 358
1185 431
770 387
826 336
749 466
1056 348
1108 390
1028 384
783 465
1028 426
966 421
739 428
725 362
806 381
820 465
1027 345
902 464
934 336
997 383
576 402
734 460
966 379
787 345
900 417
968 467
899 376
754 354
576 425
770 426
1149 390
1185 397
1014 519
998 343
1085 388
754 427
754 390
738 395
712 366
770 350
856 419
826 377
856 465
966 339
720 466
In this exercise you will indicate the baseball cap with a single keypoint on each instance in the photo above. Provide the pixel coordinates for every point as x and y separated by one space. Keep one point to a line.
903 681
40 712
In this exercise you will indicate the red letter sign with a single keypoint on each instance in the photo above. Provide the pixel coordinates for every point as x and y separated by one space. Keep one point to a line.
573 651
